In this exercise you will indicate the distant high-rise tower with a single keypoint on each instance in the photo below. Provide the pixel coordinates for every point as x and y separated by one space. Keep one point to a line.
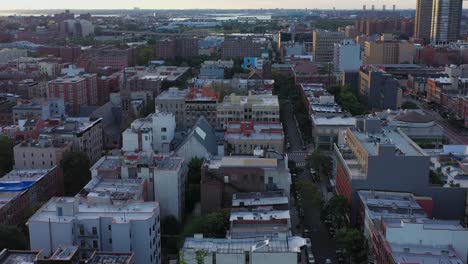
126 104
422 24
446 17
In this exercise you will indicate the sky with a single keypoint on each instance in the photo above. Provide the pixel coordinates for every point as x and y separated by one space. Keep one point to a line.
192 4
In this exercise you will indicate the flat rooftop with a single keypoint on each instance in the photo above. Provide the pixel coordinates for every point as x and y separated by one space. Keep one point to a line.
149 158
110 258
173 93
239 246
259 199
333 121
391 205
262 216
108 163
115 189
241 161
72 79
424 254
253 100
404 145
18 257
254 131
73 125
120 213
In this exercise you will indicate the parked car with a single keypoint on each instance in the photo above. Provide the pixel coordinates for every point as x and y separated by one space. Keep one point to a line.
328 261
308 245
311 258
306 233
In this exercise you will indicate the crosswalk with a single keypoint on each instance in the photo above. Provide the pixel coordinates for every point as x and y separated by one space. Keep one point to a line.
298 157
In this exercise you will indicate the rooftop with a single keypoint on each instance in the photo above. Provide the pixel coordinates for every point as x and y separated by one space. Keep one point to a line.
253 100
173 93
240 246
259 199
72 79
151 159
17 257
73 125
333 121
114 189
241 161
424 254
81 209
391 205
390 137
259 215
254 131
110 258
65 253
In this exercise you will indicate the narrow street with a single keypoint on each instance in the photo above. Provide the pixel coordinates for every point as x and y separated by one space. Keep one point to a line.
323 245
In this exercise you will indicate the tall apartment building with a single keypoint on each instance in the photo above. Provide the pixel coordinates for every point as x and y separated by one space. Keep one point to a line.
166 177
257 108
178 47
21 190
173 101
85 134
386 50
43 153
347 56
201 102
76 90
373 157
241 47
423 20
446 18
224 176
323 45
380 89
129 227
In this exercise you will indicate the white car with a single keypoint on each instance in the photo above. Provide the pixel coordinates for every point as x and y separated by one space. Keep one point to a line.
328 261
308 243
311 259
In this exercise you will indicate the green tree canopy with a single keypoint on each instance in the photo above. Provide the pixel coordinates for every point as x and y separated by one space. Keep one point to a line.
336 210
211 225
11 237
6 155
75 166
354 243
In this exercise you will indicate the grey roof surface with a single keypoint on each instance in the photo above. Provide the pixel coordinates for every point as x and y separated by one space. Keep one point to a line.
111 119
414 117
203 133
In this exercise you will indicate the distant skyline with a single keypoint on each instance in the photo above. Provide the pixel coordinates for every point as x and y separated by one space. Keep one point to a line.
202 4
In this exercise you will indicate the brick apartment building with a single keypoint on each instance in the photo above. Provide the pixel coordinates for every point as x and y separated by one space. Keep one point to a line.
240 48
223 177
178 47
76 91
23 189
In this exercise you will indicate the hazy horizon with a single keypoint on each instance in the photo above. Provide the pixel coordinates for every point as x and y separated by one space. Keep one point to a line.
202 4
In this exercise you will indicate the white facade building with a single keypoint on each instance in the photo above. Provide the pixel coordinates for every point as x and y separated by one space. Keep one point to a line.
164 125
133 227
347 56
154 132
139 136
166 177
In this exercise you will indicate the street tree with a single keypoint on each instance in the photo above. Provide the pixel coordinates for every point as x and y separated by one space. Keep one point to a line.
75 166
6 155
336 211
354 244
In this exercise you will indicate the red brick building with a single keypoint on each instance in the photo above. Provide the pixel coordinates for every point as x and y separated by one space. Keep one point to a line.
78 90
179 47
23 189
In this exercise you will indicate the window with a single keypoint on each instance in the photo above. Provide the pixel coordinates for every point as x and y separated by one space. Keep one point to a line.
59 211
94 230
163 129
110 240
109 227
163 137
149 231
95 245
81 230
